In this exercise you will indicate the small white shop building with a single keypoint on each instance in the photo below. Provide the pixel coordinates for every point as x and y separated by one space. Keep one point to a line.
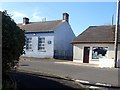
96 46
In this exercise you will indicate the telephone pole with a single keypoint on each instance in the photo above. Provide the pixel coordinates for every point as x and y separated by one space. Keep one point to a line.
112 20
116 31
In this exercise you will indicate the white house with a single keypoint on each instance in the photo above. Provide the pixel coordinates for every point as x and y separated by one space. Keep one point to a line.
96 46
48 39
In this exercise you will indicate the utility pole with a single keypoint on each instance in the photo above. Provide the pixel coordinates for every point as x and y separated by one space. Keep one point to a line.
112 20
116 31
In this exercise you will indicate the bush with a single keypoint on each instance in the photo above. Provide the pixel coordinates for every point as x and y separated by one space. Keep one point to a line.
13 41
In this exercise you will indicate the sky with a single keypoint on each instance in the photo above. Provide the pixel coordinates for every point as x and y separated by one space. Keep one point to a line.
81 14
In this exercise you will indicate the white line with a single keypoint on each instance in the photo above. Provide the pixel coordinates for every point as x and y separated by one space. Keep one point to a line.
93 87
103 84
81 81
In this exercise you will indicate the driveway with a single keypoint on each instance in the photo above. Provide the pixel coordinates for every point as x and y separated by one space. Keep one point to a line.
78 72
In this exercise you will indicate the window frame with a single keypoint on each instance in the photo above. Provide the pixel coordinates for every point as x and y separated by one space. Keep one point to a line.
28 43
41 44
106 54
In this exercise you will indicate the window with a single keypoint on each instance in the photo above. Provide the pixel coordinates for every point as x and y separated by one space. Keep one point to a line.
41 44
28 43
97 52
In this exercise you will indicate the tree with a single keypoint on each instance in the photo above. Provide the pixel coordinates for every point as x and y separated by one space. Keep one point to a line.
13 41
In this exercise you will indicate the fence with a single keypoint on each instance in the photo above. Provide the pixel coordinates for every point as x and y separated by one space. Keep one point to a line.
63 54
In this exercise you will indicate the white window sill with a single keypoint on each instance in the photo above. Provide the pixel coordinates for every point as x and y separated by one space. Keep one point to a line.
42 50
29 50
95 60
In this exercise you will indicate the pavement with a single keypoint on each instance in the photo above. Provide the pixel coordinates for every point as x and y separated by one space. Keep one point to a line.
83 73
79 64
59 61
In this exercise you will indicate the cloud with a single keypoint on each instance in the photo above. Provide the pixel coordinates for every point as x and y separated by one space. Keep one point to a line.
33 16
36 16
18 16
1 9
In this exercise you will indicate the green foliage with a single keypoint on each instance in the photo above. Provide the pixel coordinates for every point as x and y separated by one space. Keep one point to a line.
13 41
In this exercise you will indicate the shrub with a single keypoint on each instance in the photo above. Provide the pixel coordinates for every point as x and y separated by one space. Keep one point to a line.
13 41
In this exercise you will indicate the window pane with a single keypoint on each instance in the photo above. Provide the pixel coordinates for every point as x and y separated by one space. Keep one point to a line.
41 43
28 43
98 52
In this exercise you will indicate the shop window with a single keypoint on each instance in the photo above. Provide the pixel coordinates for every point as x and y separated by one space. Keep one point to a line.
98 52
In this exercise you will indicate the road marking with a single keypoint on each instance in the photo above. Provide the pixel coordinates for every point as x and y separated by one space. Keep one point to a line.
103 84
81 81
93 87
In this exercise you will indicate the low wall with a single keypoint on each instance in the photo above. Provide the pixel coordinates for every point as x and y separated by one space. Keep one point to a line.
105 62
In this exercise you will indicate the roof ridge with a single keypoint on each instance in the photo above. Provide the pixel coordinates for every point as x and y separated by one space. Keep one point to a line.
97 34
40 22
45 26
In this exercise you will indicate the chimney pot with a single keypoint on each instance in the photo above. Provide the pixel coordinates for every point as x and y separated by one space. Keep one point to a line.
66 17
25 20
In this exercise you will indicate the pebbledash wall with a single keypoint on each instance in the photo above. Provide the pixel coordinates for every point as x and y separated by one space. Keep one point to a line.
78 52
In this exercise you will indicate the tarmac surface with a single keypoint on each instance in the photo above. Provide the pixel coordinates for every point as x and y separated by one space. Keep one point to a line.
29 81
83 73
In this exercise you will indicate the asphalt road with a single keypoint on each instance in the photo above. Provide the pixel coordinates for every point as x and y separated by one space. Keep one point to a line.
108 76
28 81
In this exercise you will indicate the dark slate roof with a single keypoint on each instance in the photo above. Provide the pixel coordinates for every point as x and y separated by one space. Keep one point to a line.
46 26
97 34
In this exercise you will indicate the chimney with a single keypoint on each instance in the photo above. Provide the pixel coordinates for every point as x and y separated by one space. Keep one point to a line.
66 17
25 20
43 19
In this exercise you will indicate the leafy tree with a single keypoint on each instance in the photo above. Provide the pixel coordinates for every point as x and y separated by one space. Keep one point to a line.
13 41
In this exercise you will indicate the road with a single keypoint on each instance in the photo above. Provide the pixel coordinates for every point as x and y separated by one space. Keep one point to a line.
109 76
29 81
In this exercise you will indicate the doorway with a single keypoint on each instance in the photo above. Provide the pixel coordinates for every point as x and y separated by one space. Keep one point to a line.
86 55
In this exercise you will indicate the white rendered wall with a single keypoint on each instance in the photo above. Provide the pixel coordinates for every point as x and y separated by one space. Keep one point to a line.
119 55
63 37
48 53
78 52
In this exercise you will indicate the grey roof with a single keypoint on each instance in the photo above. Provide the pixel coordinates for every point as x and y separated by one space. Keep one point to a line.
97 34
46 26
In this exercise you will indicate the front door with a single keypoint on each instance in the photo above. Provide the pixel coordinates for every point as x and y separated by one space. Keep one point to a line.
86 55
